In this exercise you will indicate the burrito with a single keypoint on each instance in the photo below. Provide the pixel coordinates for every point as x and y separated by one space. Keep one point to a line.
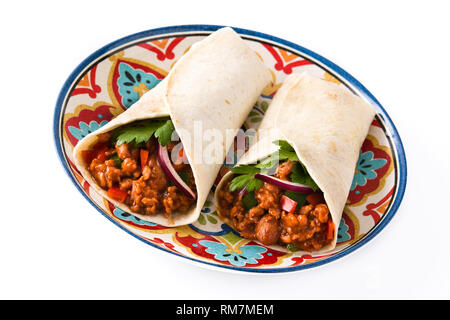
291 186
146 160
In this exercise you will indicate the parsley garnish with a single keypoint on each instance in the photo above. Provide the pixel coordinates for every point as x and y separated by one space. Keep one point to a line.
141 131
184 175
117 160
249 200
245 173
300 198
164 133
245 179
292 247
300 175
286 152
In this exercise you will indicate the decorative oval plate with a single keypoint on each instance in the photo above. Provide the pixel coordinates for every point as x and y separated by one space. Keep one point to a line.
114 77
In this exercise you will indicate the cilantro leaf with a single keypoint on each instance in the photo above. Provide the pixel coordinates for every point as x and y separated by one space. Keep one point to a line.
245 179
300 198
138 132
299 172
286 152
292 247
141 131
269 163
254 184
240 182
164 133
288 155
300 175
245 173
117 160
284 145
245 169
249 200
184 175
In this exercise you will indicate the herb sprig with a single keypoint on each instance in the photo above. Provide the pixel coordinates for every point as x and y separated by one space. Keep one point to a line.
141 131
300 175
245 178
245 173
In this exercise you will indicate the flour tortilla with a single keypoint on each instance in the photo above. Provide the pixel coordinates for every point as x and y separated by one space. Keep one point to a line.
216 82
326 125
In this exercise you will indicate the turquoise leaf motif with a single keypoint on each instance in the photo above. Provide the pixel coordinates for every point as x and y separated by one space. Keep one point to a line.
84 128
133 83
119 213
365 168
247 255
343 234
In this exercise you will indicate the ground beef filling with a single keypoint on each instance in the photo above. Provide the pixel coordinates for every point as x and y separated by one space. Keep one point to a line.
307 228
144 187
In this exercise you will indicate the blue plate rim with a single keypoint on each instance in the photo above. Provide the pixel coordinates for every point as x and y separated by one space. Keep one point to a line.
397 143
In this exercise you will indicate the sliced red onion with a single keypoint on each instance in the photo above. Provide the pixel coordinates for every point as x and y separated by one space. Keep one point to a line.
283 184
169 170
243 192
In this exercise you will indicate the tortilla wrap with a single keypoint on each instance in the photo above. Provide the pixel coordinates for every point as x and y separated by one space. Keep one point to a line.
215 83
326 125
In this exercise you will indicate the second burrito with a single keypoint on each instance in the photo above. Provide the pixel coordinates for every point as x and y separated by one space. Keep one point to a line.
134 162
291 187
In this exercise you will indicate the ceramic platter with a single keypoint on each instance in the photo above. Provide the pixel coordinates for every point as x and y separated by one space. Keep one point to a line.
115 76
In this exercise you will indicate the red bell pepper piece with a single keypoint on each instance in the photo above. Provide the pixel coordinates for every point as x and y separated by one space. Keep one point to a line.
144 157
330 232
287 204
88 156
101 154
117 194
315 198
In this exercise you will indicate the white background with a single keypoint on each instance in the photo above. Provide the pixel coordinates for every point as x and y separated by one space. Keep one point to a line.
54 244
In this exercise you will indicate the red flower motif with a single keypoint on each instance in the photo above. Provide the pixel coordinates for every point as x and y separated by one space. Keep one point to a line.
307 258
282 56
161 243
376 210
87 85
358 193
163 48
79 126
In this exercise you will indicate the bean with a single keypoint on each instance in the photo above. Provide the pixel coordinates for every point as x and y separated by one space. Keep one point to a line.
267 230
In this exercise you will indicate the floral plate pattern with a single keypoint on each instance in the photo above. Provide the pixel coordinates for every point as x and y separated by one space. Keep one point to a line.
113 78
